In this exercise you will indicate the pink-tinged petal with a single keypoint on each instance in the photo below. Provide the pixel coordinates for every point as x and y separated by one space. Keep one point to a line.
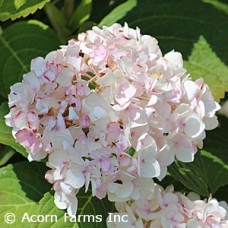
148 165
193 127
49 75
82 88
58 158
191 89
57 200
27 139
168 199
124 92
114 129
20 120
65 76
105 163
66 189
99 54
49 176
33 120
97 113
124 159
175 58
138 116
183 148
84 121
210 105
38 65
146 141
74 176
129 91
32 80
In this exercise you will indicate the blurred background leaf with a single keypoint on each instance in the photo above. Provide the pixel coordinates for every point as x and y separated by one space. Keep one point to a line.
203 62
204 176
6 153
13 9
223 6
23 182
101 8
80 14
117 13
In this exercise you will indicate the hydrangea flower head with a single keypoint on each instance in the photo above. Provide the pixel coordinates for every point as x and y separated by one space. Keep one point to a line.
89 104
172 209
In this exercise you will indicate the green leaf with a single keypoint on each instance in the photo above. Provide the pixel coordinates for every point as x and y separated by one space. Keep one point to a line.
118 13
22 186
219 5
89 205
22 189
22 183
170 180
131 152
179 24
47 207
68 8
88 208
6 137
81 14
2 99
204 176
5 154
85 26
221 194
19 43
12 9
217 141
203 62
107 7
58 21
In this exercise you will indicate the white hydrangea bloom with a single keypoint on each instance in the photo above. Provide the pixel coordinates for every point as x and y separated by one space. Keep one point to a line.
89 104
173 209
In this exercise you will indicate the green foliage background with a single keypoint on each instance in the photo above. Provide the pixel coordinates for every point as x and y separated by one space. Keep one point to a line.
29 28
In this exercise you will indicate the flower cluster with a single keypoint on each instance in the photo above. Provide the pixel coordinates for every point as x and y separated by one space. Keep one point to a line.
110 111
171 209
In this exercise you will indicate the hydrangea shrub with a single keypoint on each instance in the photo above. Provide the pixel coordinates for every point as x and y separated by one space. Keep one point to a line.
109 92
109 113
